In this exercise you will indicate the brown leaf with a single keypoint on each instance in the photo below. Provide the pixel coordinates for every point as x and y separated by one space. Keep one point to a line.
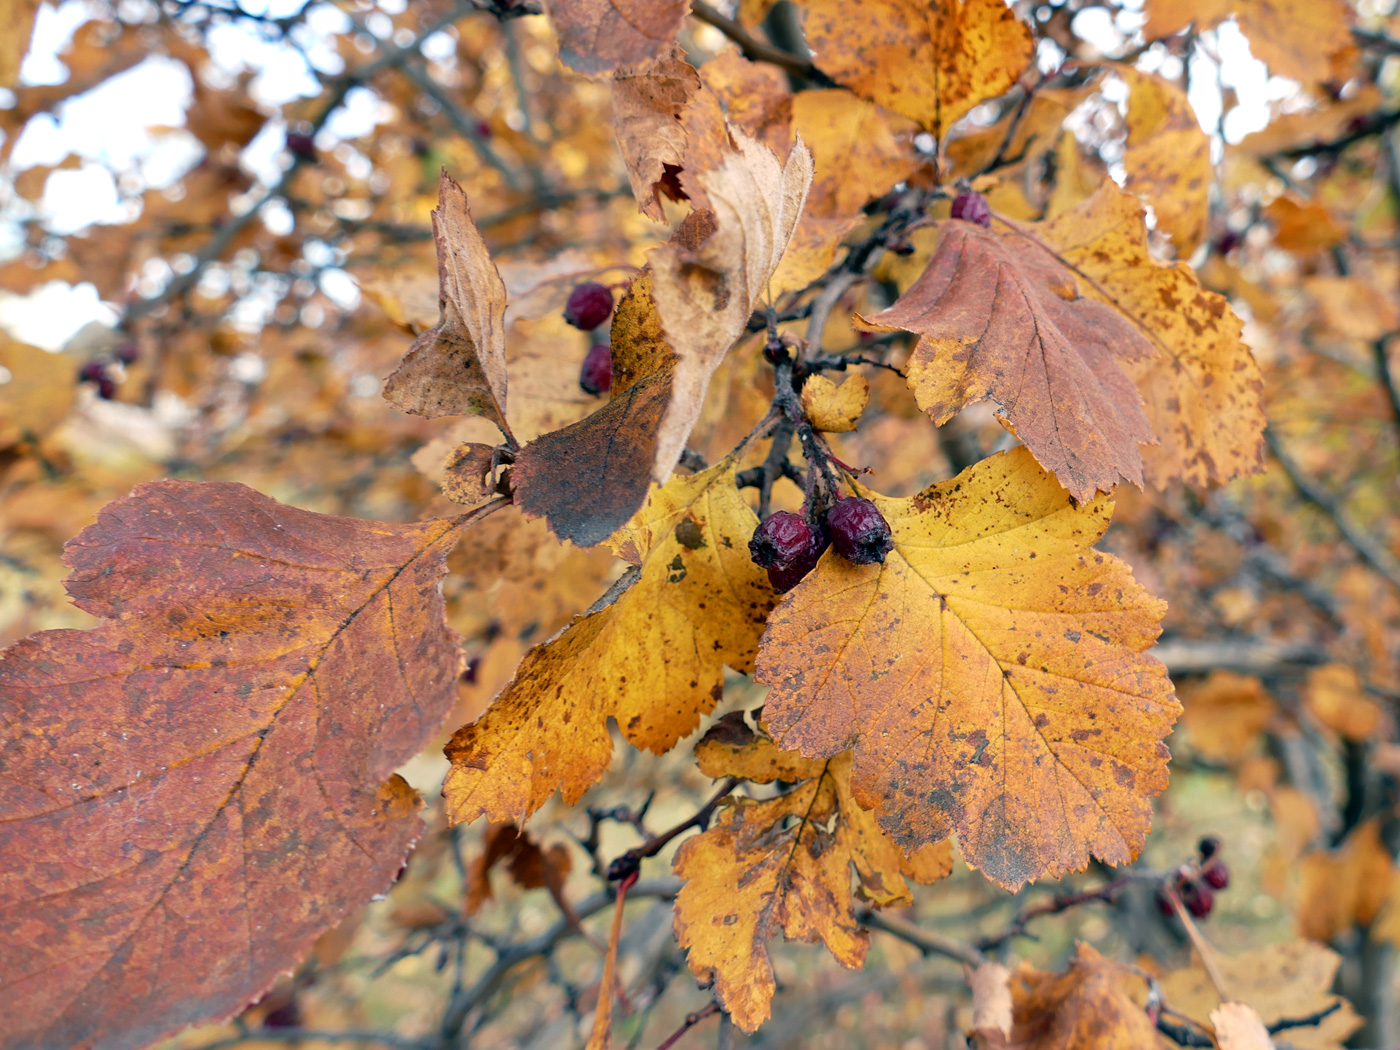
783 864
1202 388
1096 1004
530 867
932 60
16 26
597 36
226 736
469 474
1003 319
991 676
670 128
1225 714
1335 695
459 366
1344 888
1167 157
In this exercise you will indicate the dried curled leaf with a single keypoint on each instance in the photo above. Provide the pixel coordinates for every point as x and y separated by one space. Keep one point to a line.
1202 388
458 367
229 732
783 864
1096 1004
652 659
1003 319
932 60
991 676
597 36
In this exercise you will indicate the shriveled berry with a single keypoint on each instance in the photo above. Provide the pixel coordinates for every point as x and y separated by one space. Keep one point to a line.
783 537
303 146
1208 847
127 353
784 576
106 388
595 375
1216 875
1197 897
1163 904
972 207
859 532
92 372
774 351
589 306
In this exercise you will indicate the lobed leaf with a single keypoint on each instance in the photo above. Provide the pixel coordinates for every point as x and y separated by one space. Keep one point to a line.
596 36
990 675
196 789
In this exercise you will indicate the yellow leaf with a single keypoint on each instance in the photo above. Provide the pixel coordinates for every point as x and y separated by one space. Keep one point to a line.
16 26
1334 694
652 658
1296 38
783 864
1287 980
1304 225
855 153
36 394
990 675
1225 714
1167 157
1202 389
832 408
932 60
1344 888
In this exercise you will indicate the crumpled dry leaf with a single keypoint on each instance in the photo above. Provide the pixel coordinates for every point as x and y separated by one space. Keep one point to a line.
991 676
469 474
992 1005
1096 1004
1167 157
230 730
530 867
782 864
459 366
932 60
651 658
597 36
1002 319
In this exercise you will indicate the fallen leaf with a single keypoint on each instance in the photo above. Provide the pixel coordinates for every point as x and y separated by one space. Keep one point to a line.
1167 157
1002 319
932 60
783 864
230 731
1202 389
597 36
1096 1004
991 676
832 408
651 657
459 366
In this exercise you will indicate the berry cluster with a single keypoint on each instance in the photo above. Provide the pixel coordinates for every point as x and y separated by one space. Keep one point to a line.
789 545
99 370
1197 881
590 304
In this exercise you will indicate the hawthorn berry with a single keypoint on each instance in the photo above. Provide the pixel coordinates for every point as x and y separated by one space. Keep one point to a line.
774 351
302 146
1216 875
1164 905
106 388
784 576
972 207
127 353
589 305
859 532
1208 847
1197 898
92 372
782 538
595 375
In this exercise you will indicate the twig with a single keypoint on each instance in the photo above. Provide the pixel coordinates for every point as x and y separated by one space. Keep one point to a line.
1203 949
1371 552
926 941
757 50
691 1020
627 865
305 1035
1107 893
1246 655
462 122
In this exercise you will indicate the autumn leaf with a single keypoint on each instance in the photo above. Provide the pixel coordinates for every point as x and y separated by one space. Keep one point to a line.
855 152
783 864
596 36
991 676
229 732
1295 38
459 366
1336 697
1202 389
1167 157
37 394
650 656
1226 714
756 98
932 60
1002 319
529 866
833 408
1289 980
1347 887
1096 1004
16 26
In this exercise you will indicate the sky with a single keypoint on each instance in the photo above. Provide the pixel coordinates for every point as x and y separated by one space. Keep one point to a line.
133 125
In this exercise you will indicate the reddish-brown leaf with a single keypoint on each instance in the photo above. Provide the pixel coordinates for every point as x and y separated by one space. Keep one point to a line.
596 36
196 789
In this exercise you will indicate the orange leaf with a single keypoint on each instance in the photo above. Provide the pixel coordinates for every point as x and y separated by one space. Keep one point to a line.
596 36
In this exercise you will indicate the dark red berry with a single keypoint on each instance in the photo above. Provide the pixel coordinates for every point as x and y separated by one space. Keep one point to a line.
1208 847
483 129
92 372
106 388
859 532
782 538
784 576
127 353
589 306
1216 875
1197 898
774 351
972 207
288 1015
303 146
595 376
1163 904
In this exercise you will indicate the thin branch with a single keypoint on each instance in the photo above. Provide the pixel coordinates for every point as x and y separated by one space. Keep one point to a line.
926 941
757 50
363 1037
691 1020
462 122
628 864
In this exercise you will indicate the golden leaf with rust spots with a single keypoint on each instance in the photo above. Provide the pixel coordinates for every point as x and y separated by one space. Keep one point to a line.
991 676
1167 157
1202 389
783 865
932 60
651 658
855 153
